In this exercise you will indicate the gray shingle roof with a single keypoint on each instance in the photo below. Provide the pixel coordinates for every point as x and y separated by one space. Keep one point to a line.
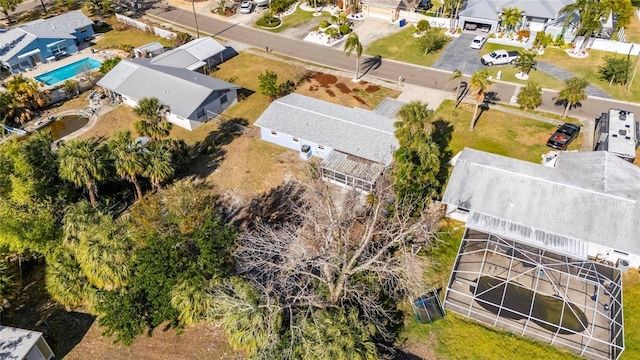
350 130
190 53
591 196
389 107
183 90
57 27
489 9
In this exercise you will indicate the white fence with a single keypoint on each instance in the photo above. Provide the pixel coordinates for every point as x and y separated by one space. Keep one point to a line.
615 47
144 27
434 21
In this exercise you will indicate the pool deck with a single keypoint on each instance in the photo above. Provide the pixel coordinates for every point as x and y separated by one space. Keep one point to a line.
83 54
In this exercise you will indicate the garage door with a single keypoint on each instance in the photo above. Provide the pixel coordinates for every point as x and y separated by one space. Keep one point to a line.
381 13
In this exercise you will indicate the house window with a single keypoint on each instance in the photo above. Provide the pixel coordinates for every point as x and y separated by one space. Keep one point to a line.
295 140
320 147
58 48
223 99
83 30
274 133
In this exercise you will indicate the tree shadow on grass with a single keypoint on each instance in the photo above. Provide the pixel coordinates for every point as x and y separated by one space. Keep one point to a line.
274 207
206 155
441 135
33 309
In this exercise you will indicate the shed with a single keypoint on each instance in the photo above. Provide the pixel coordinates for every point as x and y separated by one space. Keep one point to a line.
152 49
22 344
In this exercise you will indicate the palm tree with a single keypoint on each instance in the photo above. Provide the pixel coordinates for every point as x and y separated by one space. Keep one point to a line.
192 302
573 92
12 110
153 123
127 158
480 84
511 17
103 254
77 218
415 120
353 44
530 96
589 13
27 91
82 163
457 75
525 63
64 280
159 163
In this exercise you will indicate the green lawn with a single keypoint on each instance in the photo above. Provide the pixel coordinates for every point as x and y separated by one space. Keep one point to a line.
633 30
402 46
498 132
631 308
587 67
298 17
131 36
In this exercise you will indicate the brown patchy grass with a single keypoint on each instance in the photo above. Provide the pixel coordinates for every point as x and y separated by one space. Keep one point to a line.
251 166
118 119
202 341
343 91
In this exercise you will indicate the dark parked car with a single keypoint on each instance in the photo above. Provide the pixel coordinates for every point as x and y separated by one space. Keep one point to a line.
424 5
565 134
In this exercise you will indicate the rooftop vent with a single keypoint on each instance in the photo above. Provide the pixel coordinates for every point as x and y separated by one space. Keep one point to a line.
622 132
628 137
623 116
614 135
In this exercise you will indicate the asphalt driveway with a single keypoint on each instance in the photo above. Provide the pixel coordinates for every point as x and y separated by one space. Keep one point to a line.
458 54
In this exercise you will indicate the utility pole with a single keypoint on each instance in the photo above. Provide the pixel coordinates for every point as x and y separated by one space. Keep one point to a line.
195 17
635 69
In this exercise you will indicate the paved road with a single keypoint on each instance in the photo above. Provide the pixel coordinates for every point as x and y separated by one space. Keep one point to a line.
387 69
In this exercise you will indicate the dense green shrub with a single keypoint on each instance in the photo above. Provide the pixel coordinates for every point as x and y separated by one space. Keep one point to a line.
423 25
345 29
615 69
324 24
268 20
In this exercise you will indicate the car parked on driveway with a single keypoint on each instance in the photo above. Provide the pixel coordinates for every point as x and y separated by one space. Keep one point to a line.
565 134
247 7
500 57
478 42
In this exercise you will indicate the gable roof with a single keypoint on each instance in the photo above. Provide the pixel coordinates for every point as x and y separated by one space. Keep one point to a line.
490 9
182 90
15 343
590 196
57 27
350 130
189 55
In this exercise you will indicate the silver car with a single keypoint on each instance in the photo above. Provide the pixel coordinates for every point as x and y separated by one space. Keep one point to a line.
478 42
247 7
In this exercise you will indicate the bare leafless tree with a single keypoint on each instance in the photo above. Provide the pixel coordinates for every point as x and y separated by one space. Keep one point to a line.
343 250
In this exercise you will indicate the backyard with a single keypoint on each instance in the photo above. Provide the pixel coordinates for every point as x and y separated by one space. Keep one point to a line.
116 35
298 17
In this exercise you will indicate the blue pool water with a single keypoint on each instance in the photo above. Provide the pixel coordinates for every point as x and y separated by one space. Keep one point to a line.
68 71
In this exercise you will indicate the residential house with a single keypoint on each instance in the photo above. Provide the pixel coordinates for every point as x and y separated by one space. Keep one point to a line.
586 207
21 344
199 54
537 15
356 145
382 9
44 40
193 98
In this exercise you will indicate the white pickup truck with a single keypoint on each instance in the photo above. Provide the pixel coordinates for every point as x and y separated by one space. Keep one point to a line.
500 57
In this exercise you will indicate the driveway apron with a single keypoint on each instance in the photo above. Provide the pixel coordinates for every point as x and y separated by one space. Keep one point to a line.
458 55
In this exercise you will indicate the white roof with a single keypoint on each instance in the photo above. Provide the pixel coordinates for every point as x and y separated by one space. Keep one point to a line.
589 196
353 131
16 343
490 9
190 54
182 90
621 134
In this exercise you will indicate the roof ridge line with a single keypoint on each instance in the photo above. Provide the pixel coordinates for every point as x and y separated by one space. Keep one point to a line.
335 118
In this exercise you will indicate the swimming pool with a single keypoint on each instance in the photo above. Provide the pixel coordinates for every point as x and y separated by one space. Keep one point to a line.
68 71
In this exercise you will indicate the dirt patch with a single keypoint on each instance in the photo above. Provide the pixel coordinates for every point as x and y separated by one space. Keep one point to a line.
343 88
372 88
330 93
312 88
325 80
358 99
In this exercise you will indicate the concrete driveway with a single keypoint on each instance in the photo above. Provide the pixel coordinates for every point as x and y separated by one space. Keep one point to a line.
458 54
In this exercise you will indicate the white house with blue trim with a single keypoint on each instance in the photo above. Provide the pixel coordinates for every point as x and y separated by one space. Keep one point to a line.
44 40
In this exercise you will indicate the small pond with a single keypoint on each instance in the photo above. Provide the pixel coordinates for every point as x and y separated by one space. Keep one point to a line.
520 300
65 126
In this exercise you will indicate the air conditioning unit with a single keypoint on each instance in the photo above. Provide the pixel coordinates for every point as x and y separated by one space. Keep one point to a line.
305 152
622 264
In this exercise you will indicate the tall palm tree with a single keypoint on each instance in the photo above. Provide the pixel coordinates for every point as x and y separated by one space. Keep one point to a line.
589 13
128 158
573 92
192 302
28 92
82 162
353 44
77 218
415 120
480 84
159 163
153 123
457 75
64 280
12 110
511 17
